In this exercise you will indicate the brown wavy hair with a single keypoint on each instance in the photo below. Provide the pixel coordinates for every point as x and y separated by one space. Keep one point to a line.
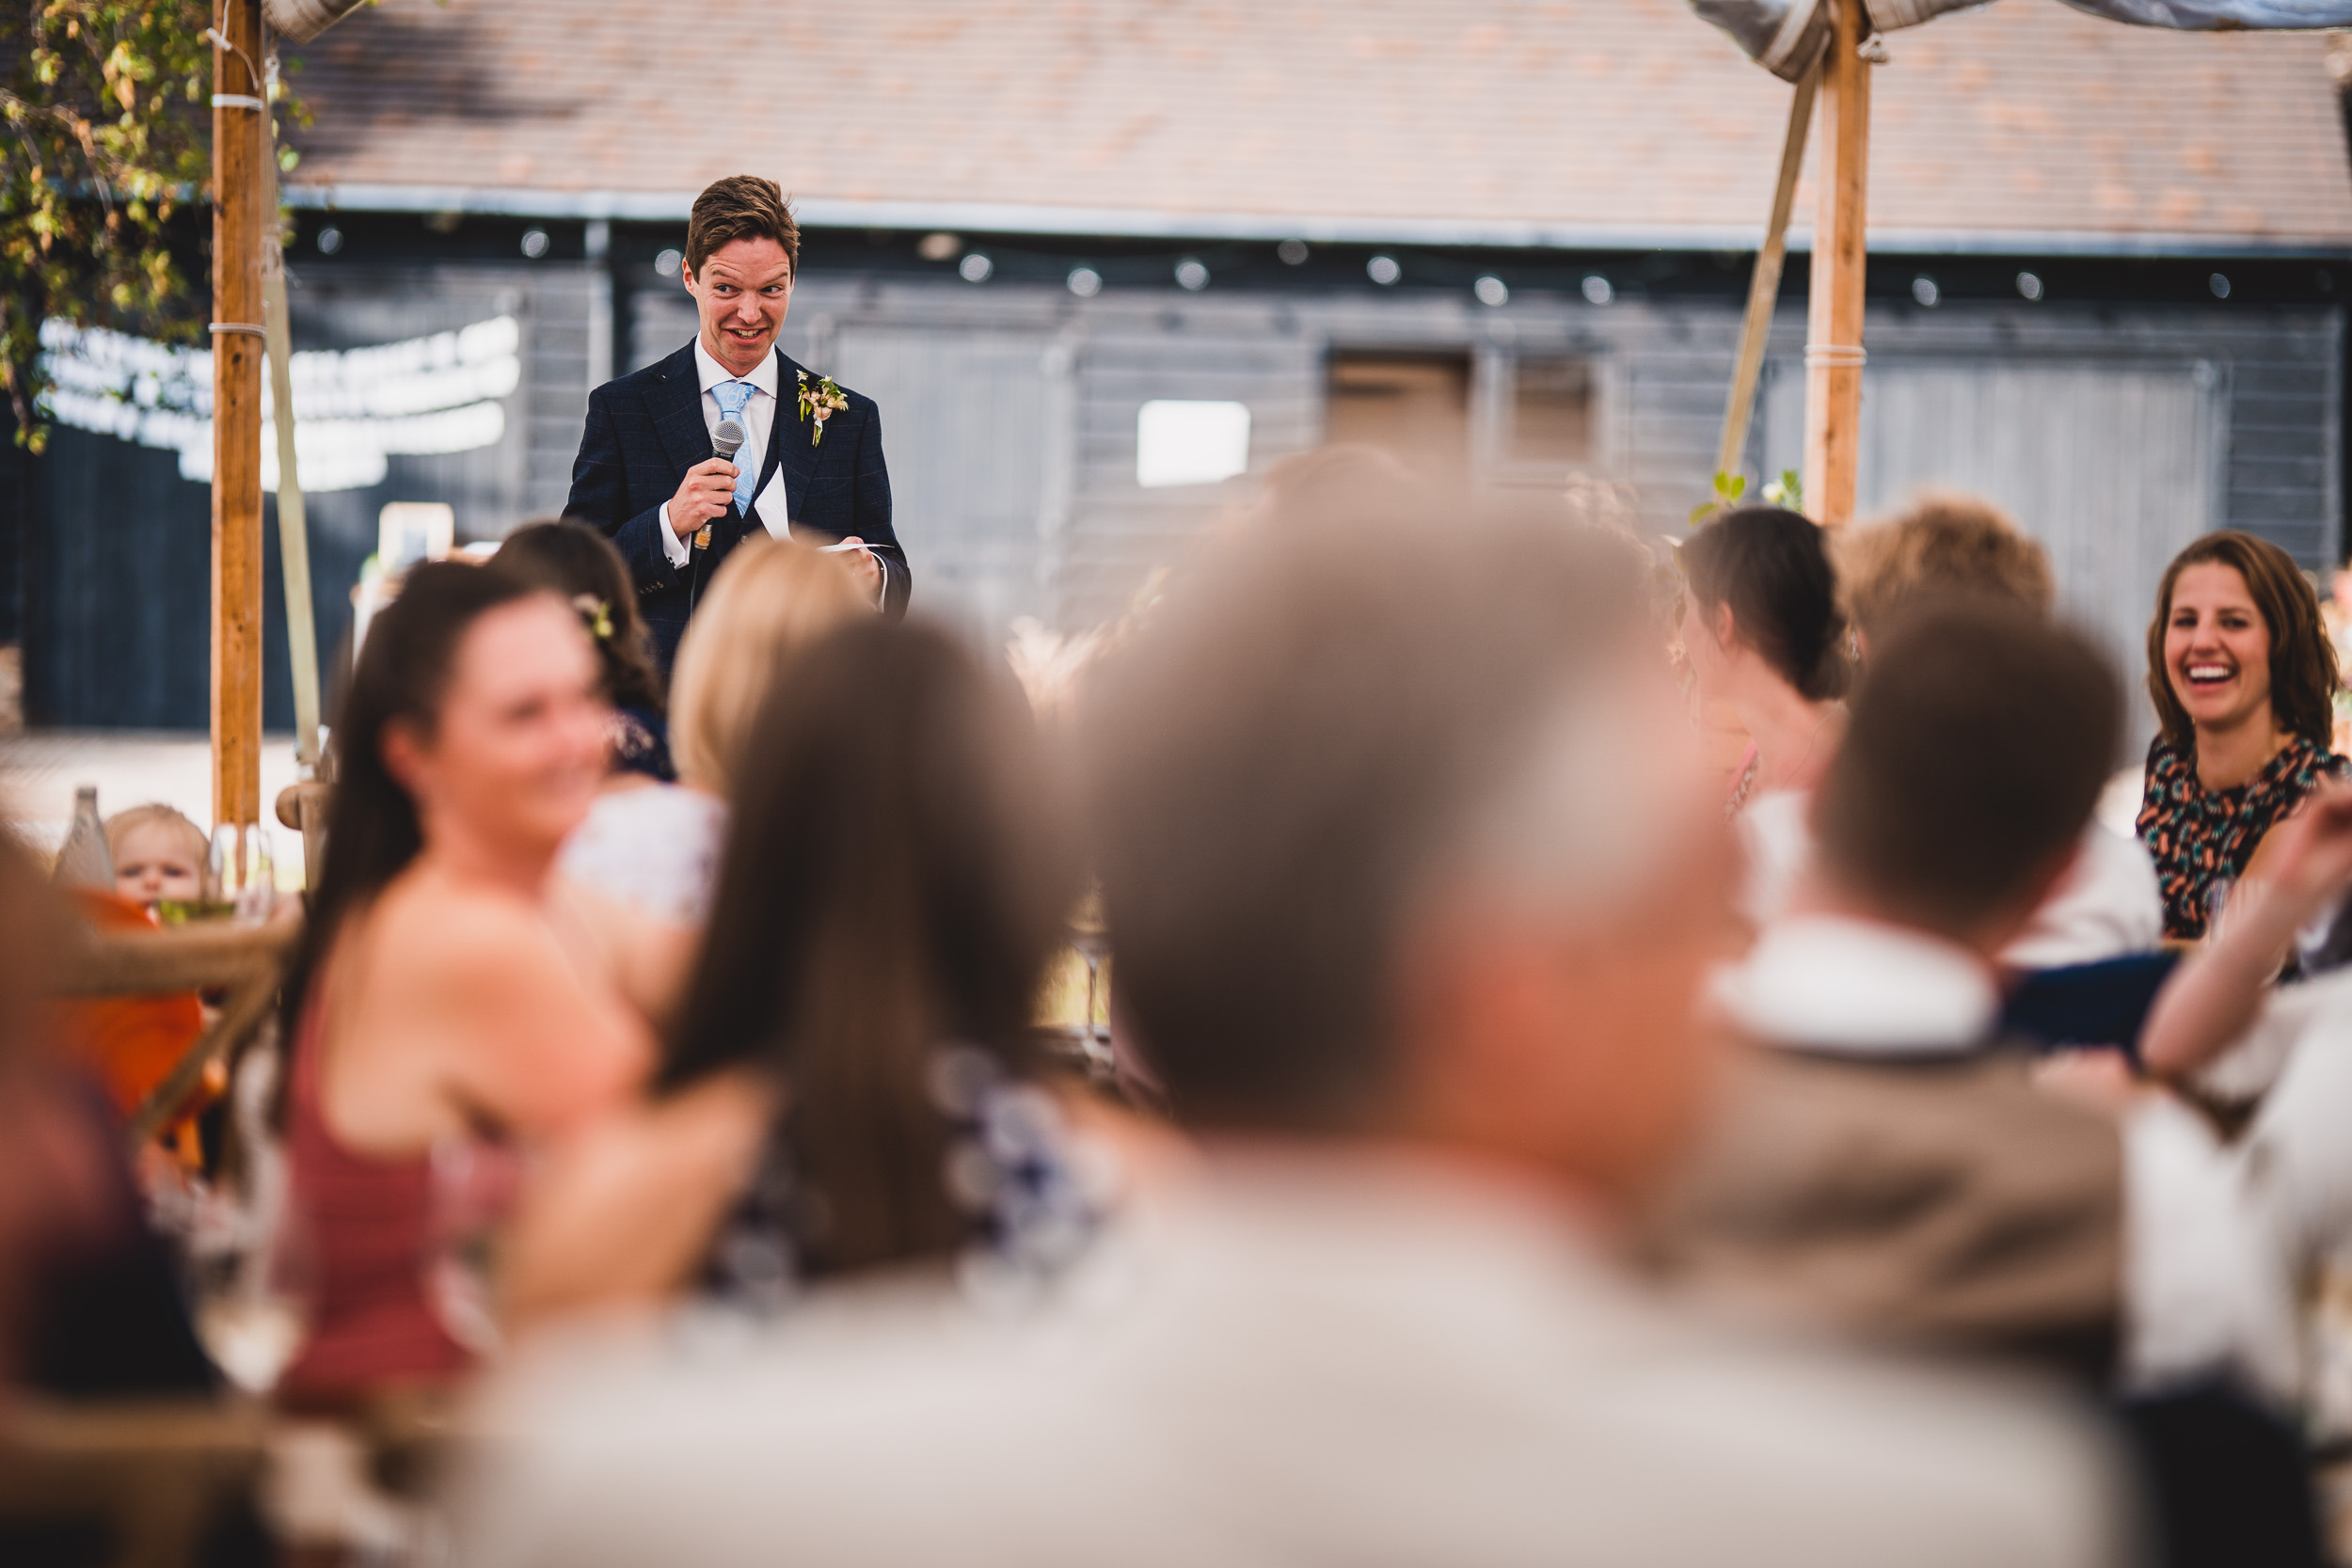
2303 673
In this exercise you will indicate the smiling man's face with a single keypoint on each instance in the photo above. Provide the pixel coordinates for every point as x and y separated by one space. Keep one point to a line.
742 294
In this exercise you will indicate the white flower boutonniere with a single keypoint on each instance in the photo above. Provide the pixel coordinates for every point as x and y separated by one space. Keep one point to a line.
820 399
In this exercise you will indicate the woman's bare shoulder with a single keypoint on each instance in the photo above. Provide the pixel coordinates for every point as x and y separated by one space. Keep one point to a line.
458 931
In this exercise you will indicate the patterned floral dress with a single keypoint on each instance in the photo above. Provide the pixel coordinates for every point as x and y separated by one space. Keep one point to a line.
2200 837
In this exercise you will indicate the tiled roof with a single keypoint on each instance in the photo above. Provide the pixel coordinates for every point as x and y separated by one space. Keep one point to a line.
1576 120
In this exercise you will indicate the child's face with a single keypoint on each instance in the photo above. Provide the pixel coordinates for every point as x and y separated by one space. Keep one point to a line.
152 862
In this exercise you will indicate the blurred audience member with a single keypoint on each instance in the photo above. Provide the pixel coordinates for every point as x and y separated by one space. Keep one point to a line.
2243 679
657 850
1885 1163
892 892
88 1301
158 855
1949 549
1413 880
1764 635
1978 745
442 998
581 567
1324 484
1942 547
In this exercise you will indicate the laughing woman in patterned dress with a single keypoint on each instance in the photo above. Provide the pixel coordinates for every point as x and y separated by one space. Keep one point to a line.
2243 676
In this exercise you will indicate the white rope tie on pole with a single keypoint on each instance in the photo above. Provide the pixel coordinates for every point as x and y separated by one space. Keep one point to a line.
1836 357
216 328
237 101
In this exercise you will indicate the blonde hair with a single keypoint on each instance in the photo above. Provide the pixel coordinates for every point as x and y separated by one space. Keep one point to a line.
124 823
771 599
1941 546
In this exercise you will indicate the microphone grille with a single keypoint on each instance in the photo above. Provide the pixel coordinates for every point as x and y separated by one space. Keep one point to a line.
727 439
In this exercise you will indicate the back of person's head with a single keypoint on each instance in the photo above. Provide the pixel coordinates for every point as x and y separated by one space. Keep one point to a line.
771 599
1340 480
1979 740
1322 731
2303 673
1772 567
1942 547
403 673
893 888
579 564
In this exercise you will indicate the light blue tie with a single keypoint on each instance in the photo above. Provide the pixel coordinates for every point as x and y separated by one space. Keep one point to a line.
732 396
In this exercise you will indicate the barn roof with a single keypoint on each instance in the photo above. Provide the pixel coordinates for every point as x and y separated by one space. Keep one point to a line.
2022 126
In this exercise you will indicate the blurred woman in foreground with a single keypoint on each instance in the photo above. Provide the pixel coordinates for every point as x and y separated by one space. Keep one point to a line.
1764 635
444 993
892 892
2243 678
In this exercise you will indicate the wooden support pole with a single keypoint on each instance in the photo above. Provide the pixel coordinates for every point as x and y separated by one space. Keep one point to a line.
1764 286
240 193
1833 350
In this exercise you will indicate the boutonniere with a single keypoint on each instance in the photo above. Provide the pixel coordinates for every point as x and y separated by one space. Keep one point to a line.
820 401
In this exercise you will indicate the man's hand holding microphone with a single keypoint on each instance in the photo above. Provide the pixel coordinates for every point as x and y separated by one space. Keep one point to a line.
708 489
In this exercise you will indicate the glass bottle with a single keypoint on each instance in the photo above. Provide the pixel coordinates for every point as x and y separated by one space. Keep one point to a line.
86 861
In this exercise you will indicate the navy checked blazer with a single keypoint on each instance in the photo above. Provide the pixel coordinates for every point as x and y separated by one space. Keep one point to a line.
645 429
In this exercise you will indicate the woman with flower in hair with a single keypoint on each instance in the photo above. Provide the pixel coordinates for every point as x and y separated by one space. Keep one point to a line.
2243 678
581 567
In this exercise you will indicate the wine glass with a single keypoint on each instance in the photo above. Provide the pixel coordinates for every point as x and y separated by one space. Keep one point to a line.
244 874
252 1270
474 1185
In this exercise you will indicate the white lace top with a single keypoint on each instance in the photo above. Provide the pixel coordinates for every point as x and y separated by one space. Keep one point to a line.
654 848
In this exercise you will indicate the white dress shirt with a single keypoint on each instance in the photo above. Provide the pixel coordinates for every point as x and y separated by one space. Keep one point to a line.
1843 987
758 418
1332 1360
2107 906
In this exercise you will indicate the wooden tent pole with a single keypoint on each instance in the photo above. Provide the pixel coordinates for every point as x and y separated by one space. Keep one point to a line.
1833 350
1764 286
239 186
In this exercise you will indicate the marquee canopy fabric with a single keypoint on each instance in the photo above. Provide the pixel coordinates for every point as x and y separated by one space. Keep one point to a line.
1784 36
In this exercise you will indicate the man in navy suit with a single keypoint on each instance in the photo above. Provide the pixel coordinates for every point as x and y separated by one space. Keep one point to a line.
811 466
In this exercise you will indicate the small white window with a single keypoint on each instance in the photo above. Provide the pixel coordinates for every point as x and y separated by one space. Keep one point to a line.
409 532
1190 443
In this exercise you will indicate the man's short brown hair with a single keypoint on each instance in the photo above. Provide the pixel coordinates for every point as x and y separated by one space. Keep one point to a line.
1981 739
741 207
1940 547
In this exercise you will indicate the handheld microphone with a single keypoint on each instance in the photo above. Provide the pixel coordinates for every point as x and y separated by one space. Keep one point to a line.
724 442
